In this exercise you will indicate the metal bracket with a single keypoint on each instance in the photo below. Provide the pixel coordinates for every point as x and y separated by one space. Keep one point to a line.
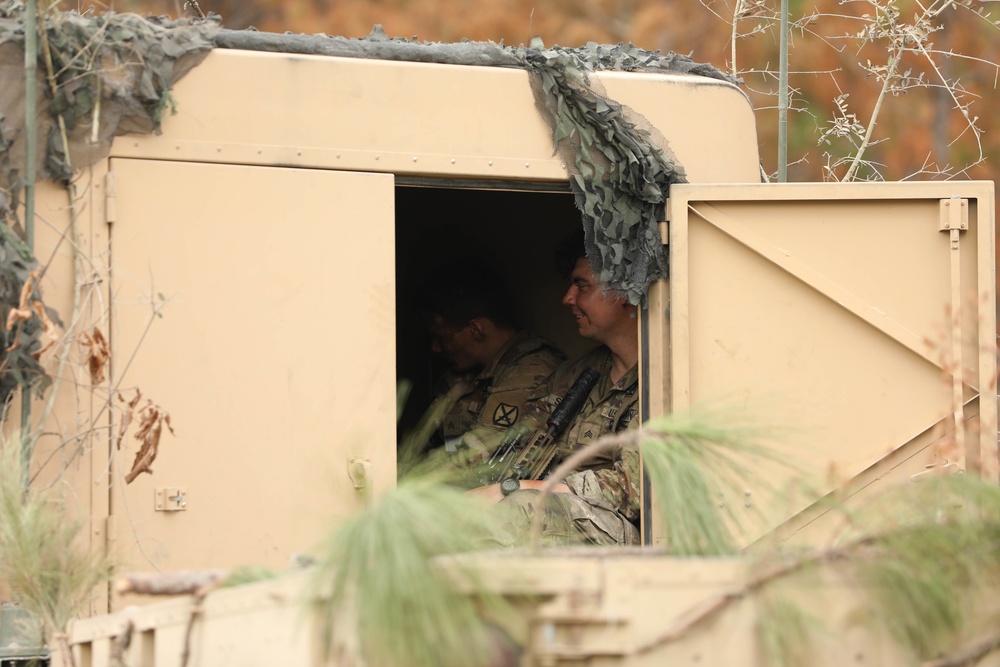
171 499
953 217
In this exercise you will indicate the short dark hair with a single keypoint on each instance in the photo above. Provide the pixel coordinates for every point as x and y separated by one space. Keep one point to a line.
464 291
569 250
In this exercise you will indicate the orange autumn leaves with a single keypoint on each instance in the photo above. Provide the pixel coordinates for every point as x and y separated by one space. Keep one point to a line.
150 419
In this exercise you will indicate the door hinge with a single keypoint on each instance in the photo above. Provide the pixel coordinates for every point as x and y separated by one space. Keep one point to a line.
953 217
664 232
110 530
110 199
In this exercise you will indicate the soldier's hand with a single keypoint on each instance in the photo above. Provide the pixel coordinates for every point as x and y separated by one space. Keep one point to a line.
490 493
539 483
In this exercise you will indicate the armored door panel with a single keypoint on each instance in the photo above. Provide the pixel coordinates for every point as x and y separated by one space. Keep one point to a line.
855 323
255 307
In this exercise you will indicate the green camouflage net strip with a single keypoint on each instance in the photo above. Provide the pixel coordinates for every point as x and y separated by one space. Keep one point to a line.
619 173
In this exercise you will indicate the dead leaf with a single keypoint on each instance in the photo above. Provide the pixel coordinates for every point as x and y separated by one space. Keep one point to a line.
22 312
14 316
97 354
49 335
151 421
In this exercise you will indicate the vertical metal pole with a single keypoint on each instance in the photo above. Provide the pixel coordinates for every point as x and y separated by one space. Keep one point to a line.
30 140
30 103
783 96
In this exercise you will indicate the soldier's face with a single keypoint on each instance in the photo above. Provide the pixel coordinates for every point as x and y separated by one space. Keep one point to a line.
599 313
455 344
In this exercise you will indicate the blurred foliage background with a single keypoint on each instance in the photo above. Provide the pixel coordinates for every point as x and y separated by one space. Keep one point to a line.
922 130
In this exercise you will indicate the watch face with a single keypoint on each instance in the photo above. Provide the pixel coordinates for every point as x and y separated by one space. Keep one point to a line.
510 485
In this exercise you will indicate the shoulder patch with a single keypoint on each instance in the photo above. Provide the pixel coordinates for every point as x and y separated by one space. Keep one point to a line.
505 415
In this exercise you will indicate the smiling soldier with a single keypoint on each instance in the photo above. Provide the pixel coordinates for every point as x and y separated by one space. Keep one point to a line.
598 504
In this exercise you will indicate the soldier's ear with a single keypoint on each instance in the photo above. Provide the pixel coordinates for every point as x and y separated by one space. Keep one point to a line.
478 328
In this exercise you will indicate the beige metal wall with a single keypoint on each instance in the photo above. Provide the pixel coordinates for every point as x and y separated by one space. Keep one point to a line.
442 121
824 315
241 265
256 306
252 297
274 352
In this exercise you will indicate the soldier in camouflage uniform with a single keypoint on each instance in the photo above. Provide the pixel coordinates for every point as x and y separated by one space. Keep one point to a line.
599 503
494 367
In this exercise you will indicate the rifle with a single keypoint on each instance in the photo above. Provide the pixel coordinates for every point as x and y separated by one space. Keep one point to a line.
519 458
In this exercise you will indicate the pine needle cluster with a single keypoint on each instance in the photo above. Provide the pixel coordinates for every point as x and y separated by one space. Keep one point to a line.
49 570
938 545
921 558
378 569
692 460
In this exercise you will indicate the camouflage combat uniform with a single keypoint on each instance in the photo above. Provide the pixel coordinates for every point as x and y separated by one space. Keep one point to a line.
604 506
498 394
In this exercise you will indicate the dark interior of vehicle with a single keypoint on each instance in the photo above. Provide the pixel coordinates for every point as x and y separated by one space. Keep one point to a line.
514 232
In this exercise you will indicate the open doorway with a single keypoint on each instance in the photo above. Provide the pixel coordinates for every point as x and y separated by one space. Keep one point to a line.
515 233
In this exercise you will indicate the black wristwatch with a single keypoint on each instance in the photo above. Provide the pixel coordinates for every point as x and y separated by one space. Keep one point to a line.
510 485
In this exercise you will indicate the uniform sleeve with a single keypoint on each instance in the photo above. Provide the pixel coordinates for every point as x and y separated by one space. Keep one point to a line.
507 403
618 485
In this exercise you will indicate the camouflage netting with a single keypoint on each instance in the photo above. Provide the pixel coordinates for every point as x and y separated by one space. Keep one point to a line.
115 72
112 75
620 171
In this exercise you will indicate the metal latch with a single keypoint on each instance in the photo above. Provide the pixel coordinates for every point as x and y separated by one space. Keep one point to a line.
171 499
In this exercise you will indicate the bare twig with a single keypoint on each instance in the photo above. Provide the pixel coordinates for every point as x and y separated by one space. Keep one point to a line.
184 582
970 656
120 645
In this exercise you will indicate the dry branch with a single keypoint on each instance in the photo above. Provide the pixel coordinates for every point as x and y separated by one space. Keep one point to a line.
182 582
970 656
120 645
127 416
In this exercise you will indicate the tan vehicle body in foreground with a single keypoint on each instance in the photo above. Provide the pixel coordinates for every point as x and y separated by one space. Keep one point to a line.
260 253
